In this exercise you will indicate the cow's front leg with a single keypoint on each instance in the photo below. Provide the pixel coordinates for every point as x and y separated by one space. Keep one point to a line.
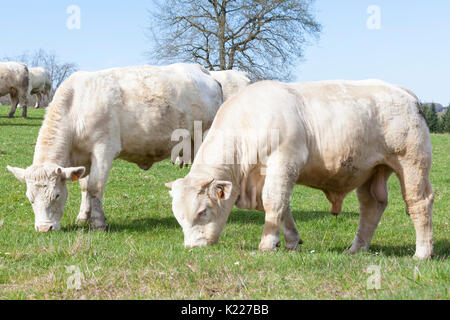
38 100
275 195
102 159
290 231
85 208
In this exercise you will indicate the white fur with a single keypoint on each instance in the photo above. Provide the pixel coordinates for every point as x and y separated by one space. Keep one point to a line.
232 82
41 83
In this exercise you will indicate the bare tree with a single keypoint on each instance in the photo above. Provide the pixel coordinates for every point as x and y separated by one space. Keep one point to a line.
263 37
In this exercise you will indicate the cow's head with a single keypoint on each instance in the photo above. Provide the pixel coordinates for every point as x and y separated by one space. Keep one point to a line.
202 206
47 192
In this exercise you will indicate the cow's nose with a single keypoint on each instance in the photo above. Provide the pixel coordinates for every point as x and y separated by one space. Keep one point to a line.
44 229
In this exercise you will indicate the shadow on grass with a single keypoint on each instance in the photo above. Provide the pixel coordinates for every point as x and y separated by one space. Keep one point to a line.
441 249
143 225
3 124
136 225
256 217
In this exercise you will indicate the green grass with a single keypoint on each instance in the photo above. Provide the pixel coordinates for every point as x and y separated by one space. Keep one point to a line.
142 255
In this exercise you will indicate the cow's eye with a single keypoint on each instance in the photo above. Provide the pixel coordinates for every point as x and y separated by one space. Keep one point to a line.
57 196
202 213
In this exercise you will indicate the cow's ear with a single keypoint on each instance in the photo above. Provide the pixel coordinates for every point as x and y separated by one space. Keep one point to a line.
73 174
169 185
221 190
18 173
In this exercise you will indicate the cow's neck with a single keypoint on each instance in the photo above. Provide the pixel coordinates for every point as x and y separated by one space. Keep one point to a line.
223 172
216 164
247 178
55 139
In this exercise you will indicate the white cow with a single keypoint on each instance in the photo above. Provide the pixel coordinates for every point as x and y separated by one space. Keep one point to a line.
232 82
41 83
333 135
15 81
94 118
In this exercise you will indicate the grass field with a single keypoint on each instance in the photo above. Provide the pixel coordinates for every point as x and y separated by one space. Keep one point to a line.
142 254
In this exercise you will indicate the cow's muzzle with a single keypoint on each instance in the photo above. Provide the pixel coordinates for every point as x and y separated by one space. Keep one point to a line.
44 229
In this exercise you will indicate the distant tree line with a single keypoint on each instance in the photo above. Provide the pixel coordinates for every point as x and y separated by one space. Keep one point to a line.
438 123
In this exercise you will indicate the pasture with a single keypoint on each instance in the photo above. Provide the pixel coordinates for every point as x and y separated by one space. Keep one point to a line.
142 254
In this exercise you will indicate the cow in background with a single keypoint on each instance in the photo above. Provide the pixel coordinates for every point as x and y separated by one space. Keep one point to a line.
41 84
15 81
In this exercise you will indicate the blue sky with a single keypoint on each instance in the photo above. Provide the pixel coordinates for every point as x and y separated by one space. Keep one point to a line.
412 48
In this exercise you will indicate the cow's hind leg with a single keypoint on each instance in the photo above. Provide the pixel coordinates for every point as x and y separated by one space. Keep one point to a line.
14 103
373 199
419 197
23 99
85 208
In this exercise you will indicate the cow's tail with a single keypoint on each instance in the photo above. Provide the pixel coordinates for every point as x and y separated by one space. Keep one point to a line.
27 81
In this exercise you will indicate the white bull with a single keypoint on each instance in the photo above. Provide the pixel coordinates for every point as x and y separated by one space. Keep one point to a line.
94 118
334 136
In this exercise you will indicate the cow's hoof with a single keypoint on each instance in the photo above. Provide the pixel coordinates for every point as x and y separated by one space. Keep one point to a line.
83 217
98 225
423 257
293 245
10 116
269 245
99 228
267 248
82 221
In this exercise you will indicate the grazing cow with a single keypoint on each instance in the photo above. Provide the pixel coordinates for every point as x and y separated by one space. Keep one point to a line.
333 135
94 118
41 84
232 82
15 81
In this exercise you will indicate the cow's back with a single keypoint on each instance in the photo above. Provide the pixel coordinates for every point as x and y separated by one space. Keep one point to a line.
354 126
144 105
348 127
